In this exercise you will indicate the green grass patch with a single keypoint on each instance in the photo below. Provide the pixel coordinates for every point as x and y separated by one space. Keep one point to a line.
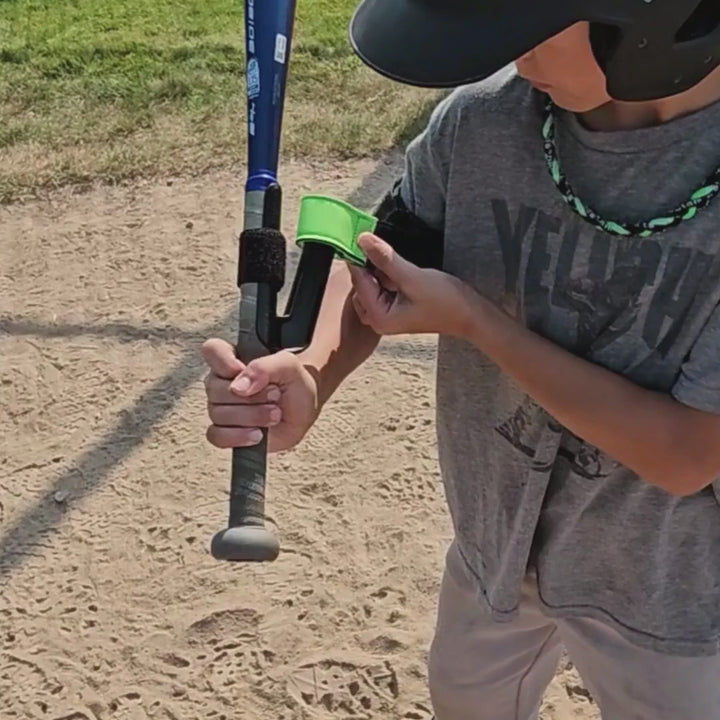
111 89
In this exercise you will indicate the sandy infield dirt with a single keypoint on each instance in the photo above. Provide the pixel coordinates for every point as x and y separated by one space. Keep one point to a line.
111 607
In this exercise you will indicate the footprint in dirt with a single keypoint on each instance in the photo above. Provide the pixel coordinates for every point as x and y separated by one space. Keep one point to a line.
341 422
26 681
158 540
227 643
135 704
223 625
297 604
126 705
418 711
385 603
345 687
163 654
410 485
167 663
244 659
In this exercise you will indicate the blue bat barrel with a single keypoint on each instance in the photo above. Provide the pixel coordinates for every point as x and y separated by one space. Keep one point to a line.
268 41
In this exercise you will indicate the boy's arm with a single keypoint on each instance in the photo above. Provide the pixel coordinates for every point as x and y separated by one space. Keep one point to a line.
671 440
341 343
666 442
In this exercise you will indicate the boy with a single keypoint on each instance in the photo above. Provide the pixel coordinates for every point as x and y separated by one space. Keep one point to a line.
579 355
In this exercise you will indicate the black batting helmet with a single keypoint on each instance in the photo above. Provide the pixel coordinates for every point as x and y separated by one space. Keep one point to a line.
648 49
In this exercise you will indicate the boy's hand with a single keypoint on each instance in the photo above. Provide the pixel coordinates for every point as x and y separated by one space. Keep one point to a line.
276 391
399 297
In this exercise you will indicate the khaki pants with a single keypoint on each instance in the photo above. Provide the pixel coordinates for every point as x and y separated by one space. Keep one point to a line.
480 670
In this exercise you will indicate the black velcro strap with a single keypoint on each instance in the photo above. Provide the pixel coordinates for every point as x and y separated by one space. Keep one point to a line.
262 257
408 235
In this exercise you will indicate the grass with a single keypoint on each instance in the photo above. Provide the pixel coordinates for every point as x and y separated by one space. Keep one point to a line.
112 89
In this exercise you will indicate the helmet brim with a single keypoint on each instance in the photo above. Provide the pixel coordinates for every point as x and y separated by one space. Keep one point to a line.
413 42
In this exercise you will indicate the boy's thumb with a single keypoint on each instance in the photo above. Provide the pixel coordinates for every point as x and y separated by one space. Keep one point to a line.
276 369
386 260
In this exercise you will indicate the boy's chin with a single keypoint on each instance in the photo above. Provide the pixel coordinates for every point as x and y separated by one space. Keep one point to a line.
578 104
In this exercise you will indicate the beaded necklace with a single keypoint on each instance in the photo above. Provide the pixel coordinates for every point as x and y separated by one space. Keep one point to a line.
700 199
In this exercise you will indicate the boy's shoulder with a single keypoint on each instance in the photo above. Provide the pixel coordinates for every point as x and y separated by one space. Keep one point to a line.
502 96
503 89
465 128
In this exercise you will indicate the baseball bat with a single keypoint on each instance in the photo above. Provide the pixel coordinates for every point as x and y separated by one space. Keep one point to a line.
268 38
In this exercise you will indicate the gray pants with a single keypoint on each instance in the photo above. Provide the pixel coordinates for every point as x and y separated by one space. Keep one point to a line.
480 670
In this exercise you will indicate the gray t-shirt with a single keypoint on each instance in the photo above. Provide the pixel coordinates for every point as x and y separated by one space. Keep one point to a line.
522 490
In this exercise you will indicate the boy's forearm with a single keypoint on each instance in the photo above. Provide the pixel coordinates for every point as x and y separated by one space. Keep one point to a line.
666 443
341 343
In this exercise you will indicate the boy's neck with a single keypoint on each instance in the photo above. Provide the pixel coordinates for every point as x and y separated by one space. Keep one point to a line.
616 115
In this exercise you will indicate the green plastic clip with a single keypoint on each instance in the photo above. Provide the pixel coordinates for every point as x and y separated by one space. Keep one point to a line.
335 223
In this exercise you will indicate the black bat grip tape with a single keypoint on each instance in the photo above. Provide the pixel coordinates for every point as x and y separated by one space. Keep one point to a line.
246 539
247 493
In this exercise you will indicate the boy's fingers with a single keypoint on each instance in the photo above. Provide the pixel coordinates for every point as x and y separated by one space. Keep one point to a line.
276 369
371 300
393 267
385 281
251 381
219 393
219 355
377 316
247 416
359 308
366 285
229 437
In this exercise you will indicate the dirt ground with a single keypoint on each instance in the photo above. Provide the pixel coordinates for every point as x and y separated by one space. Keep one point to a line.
111 607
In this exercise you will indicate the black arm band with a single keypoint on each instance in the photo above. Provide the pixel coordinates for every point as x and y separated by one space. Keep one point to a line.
408 235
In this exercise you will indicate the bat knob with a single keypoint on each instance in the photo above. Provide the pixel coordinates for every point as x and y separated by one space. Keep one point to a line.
245 543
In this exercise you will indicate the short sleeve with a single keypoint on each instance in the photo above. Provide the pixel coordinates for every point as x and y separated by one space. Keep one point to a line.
699 383
427 164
